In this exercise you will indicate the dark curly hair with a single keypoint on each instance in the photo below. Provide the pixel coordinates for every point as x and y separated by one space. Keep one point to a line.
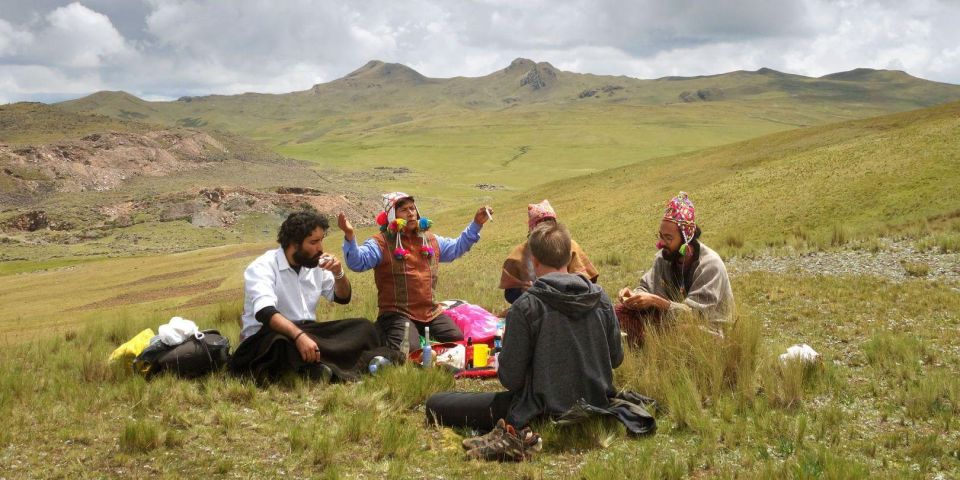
298 226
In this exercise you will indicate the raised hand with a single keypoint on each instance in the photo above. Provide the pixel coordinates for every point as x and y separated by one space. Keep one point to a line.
344 224
484 214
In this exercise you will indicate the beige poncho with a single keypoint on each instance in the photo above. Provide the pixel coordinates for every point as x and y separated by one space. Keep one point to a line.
710 296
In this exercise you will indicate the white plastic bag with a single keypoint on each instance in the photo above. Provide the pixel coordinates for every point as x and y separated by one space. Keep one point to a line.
802 352
177 331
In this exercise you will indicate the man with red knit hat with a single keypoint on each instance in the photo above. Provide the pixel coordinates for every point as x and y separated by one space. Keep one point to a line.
687 277
405 258
518 274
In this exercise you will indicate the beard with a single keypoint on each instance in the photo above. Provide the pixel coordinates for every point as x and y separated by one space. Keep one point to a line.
671 255
305 260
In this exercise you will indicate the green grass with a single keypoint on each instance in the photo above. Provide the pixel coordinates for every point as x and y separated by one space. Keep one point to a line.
882 402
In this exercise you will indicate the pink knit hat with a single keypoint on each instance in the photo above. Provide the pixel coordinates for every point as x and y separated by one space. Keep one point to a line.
538 212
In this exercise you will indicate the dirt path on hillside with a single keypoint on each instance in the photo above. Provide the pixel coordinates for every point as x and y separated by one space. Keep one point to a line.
887 263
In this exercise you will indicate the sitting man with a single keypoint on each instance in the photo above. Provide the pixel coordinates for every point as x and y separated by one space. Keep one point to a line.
687 277
517 275
561 345
281 290
405 258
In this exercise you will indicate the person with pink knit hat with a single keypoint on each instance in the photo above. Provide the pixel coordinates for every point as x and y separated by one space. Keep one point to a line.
687 278
517 274
405 257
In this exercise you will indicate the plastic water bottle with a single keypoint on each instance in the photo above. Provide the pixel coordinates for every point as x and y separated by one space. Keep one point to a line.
427 350
378 363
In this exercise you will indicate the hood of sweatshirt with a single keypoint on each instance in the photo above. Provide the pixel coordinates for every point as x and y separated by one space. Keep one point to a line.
567 292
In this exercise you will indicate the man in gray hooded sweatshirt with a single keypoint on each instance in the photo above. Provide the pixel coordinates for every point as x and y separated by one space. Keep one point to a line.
561 344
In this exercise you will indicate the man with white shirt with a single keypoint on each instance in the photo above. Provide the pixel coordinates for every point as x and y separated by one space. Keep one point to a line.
281 290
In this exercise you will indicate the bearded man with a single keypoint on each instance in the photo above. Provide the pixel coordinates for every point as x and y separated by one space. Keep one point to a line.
281 291
687 277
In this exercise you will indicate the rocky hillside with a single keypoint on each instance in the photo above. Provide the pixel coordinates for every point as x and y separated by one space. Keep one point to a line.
102 161
132 176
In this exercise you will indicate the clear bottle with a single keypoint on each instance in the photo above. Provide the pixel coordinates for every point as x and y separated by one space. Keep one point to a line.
427 349
378 363
405 342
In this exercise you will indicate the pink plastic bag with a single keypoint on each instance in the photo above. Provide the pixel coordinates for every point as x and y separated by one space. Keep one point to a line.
474 322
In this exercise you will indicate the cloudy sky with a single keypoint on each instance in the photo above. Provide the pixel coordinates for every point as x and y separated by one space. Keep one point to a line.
52 50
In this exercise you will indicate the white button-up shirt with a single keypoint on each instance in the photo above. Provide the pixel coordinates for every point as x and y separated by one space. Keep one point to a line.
270 282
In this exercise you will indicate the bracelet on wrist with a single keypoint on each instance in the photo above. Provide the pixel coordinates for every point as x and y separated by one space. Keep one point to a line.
297 336
339 275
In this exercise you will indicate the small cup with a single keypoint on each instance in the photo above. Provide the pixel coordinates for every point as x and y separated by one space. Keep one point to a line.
480 353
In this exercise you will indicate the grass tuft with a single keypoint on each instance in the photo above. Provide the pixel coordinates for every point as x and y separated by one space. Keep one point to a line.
915 269
141 436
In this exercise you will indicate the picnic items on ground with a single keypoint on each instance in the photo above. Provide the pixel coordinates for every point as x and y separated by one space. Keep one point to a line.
179 347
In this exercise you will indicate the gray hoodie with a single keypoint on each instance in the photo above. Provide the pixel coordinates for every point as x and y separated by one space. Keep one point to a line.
561 344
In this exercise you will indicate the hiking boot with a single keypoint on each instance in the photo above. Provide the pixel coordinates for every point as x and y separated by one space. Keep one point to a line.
507 445
532 443
498 431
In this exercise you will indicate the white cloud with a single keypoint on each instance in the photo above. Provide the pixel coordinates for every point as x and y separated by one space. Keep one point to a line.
195 47
78 37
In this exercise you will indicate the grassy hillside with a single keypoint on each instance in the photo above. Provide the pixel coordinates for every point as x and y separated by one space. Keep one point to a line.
107 187
805 189
882 404
502 128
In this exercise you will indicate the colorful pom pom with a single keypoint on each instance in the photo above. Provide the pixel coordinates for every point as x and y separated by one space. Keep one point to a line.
425 224
400 253
426 251
382 219
683 249
401 223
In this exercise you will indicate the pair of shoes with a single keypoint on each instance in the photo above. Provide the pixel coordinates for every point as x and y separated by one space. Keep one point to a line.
503 443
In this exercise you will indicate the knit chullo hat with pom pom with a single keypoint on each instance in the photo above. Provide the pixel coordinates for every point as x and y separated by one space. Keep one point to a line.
680 210
392 226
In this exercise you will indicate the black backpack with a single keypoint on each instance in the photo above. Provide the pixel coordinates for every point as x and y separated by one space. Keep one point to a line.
191 359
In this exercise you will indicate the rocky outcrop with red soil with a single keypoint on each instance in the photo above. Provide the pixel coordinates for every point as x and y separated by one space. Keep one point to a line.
103 161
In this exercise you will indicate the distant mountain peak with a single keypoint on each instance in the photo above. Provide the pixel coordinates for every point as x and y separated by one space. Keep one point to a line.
769 71
520 63
534 75
860 74
115 94
376 70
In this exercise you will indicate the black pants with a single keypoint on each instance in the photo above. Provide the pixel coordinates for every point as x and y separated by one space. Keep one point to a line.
390 327
345 346
479 411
